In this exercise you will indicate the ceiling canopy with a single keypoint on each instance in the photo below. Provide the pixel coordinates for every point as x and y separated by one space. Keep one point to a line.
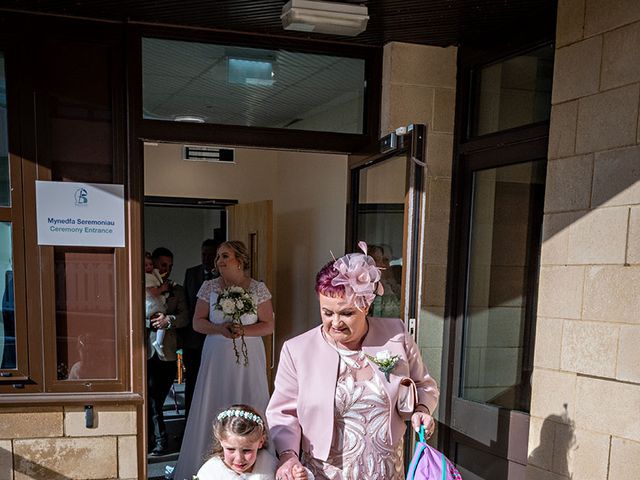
432 22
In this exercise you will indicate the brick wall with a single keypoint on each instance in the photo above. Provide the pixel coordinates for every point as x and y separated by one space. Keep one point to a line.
586 387
53 442
419 86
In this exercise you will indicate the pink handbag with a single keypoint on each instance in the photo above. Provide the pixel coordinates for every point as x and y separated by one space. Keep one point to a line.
430 464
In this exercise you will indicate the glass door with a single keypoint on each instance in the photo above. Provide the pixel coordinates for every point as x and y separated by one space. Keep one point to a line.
494 341
386 210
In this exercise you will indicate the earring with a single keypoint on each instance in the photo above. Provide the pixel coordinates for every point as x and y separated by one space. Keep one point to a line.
238 267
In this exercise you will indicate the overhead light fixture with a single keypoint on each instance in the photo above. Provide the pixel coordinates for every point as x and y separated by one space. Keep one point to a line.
251 71
324 17
189 118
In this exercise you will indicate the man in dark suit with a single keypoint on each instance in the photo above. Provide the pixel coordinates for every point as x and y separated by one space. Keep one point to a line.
191 340
162 367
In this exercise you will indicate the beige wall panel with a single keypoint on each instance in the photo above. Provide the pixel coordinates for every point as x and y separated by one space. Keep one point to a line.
590 348
548 346
109 420
633 240
31 422
602 15
616 177
127 457
625 459
612 294
562 130
576 71
6 460
560 292
70 458
607 120
621 57
563 400
568 184
599 237
570 22
628 365
555 237
617 405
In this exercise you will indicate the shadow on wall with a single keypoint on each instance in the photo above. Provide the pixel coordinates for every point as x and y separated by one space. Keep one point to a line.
29 469
555 446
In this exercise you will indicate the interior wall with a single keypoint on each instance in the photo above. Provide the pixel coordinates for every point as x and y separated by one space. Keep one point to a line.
194 224
310 207
309 202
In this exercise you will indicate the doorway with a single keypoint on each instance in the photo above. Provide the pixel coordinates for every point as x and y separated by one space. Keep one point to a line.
308 192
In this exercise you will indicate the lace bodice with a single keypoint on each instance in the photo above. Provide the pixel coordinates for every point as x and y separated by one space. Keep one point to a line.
211 289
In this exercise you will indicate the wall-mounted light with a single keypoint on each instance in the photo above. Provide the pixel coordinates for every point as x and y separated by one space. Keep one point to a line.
251 71
324 17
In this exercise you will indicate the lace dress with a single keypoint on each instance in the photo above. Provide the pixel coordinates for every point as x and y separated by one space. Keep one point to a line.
222 381
361 449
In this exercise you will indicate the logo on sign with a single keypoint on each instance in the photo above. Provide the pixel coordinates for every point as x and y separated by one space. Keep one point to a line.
81 197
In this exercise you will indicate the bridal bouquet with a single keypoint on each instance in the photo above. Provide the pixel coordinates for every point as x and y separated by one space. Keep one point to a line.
235 302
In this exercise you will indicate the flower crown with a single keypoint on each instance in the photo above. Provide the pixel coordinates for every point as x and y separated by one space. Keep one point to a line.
235 412
360 277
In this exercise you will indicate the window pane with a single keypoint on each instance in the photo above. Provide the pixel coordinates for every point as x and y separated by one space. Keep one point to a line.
85 314
5 179
205 83
500 311
7 321
380 222
513 93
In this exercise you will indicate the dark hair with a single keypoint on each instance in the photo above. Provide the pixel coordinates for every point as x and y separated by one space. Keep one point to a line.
147 255
161 252
211 242
240 251
323 281
243 427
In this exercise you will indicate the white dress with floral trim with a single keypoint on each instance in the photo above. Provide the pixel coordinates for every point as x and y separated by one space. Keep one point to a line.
222 382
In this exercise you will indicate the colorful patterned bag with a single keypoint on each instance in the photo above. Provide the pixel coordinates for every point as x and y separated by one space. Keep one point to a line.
429 464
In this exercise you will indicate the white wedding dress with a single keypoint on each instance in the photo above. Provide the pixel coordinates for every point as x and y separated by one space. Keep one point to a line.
222 382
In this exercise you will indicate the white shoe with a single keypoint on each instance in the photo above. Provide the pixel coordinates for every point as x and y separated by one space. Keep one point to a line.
159 348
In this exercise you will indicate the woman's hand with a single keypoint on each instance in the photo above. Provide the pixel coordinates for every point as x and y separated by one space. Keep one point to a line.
228 330
423 418
289 468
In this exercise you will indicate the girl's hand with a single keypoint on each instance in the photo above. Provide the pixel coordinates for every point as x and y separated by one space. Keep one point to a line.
299 472
288 465
423 418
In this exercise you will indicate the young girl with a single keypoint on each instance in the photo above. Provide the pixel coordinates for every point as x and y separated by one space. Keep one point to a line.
155 300
239 448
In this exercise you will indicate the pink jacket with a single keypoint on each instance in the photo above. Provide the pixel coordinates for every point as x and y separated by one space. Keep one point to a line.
301 408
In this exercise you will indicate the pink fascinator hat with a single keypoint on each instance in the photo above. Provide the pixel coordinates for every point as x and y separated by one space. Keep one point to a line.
360 276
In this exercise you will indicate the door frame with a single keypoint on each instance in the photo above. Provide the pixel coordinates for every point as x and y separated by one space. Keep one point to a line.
507 147
413 145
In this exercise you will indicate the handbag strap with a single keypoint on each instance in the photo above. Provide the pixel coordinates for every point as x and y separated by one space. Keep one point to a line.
421 434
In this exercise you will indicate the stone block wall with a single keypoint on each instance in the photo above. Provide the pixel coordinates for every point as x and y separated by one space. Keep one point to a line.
585 421
419 86
48 443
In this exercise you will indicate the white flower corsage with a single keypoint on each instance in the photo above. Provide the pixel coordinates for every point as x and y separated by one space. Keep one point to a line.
385 362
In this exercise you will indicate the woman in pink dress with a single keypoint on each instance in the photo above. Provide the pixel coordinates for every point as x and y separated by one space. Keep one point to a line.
339 402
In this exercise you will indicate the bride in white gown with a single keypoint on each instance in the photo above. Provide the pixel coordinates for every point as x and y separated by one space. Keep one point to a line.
224 380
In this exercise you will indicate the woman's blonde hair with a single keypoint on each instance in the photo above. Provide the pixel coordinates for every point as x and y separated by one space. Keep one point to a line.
242 425
240 250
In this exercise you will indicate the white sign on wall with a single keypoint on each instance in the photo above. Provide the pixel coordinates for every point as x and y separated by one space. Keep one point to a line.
80 214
